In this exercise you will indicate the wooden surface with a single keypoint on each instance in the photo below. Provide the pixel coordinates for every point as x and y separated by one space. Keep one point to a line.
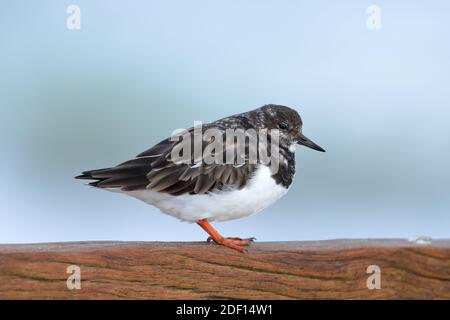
333 269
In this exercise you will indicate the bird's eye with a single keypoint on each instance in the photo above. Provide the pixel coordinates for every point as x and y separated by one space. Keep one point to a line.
283 126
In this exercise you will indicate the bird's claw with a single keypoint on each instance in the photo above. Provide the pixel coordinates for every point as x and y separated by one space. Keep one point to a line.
233 242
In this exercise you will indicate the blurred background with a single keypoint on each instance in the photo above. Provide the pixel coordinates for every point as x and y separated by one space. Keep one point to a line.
377 100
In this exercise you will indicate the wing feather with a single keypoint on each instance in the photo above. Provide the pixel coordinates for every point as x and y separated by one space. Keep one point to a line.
154 170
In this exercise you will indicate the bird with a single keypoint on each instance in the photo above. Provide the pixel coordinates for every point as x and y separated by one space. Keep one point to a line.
201 192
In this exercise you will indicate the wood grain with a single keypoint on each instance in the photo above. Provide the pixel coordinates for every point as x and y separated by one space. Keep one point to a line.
334 269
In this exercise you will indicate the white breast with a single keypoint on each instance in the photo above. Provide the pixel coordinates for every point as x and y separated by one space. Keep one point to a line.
260 192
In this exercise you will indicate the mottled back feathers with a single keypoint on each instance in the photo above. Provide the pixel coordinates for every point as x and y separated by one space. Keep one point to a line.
155 170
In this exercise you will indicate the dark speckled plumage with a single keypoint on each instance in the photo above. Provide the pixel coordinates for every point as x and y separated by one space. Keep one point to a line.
153 169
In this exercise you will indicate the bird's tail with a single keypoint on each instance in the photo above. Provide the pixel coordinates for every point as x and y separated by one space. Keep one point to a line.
129 175
93 175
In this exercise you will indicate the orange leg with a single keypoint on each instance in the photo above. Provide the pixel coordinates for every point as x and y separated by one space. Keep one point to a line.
233 243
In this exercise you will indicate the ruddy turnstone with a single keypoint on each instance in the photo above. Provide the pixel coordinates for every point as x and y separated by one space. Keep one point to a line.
184 183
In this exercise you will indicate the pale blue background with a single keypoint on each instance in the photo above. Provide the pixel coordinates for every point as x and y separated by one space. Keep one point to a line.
378 101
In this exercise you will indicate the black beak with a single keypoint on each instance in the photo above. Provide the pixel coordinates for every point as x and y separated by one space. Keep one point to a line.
304 141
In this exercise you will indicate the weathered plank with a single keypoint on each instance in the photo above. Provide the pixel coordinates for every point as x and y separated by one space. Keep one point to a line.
334 269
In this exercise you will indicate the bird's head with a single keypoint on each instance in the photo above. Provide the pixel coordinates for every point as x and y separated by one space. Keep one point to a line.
289 124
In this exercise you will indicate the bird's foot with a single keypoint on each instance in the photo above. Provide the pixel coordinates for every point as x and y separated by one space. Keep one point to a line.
237 244
233 242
